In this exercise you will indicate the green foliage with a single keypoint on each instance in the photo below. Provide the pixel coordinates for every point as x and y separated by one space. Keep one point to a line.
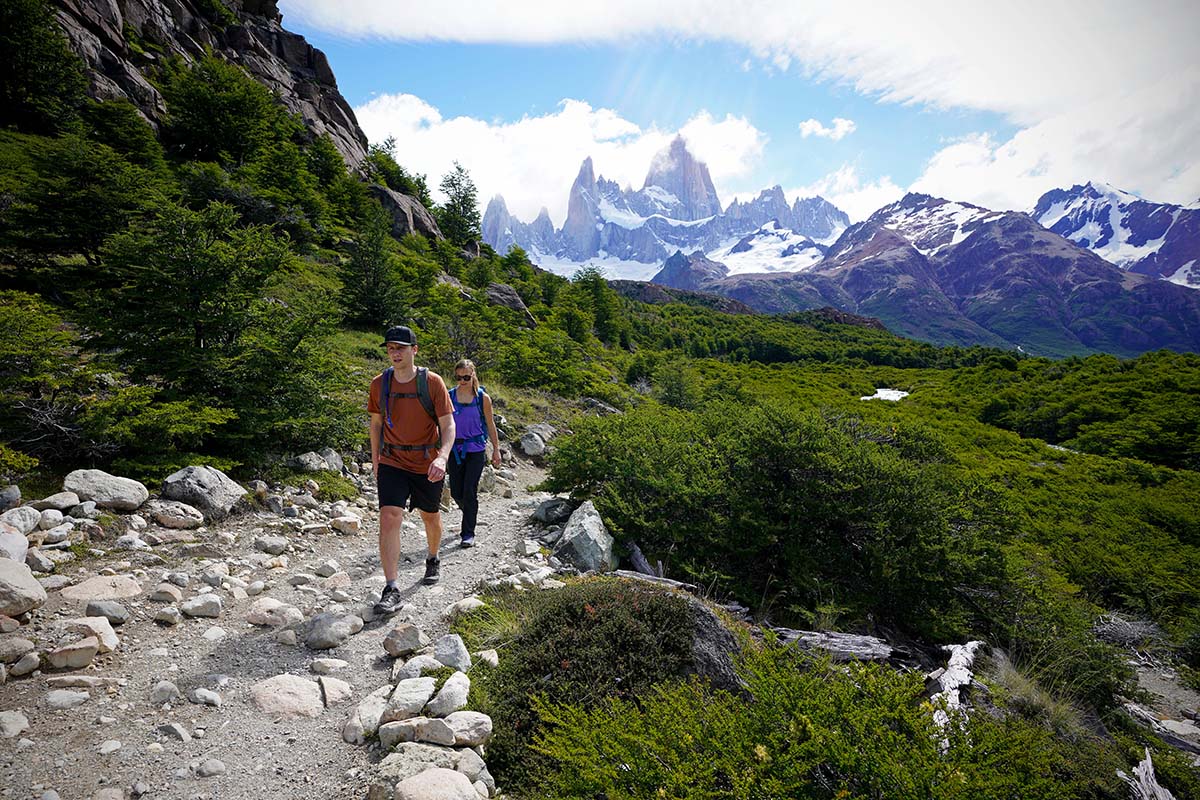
334 487
217 13
79 193
119 125
373 291
580 645
794 505
42 83
807 731
14 463
380 167
216 112
603 303
458 217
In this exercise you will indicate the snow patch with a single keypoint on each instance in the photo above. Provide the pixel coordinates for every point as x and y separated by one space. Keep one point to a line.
893 395
1186 275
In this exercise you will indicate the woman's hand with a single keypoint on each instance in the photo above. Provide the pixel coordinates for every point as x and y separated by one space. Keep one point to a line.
496 459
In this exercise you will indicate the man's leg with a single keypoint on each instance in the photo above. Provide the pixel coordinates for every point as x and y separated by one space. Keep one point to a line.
390 518
433 531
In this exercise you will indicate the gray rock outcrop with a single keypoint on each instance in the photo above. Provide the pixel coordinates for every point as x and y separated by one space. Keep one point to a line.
501 294
206 488
408 215
107 491
586 543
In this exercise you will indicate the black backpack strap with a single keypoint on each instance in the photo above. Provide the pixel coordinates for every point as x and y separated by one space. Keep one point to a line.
385 389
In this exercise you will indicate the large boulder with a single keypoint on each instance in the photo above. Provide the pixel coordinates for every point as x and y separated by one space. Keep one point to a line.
436 783
12 544
106 491
585 542
408 215
206 488
19 590
24 518
501 294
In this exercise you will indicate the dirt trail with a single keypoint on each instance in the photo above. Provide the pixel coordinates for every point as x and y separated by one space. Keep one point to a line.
263 758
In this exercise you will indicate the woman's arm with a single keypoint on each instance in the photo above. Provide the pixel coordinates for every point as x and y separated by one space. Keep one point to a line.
491 426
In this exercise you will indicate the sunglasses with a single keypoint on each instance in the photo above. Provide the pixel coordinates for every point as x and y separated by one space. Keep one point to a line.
463 377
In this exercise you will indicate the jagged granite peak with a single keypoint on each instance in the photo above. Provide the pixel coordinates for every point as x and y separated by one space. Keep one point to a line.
580 234
497 224
691 272
818 219
686 190
104 32
1157 239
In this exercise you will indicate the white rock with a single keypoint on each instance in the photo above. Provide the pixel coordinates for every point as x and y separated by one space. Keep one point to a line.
586 543
470 728
24 518
364 721
28 663
532 444
328 630
15 547
408 698
415 667
347 523
205 697
214 634
464 606
103 587
206 488
451 651
452 696
167 593
436 783
50 518
288 696
107 491
12 724
61 699
205 605
57 534
334 691
176 514
324 666
272 613
489 657
108 747
61 501
169 616
164 692
100 628
76 655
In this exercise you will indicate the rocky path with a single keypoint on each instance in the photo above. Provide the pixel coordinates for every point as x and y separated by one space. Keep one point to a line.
116 728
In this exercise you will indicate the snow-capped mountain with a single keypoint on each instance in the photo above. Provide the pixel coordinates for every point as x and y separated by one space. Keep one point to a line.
630 233
953 273
771 248
1158 239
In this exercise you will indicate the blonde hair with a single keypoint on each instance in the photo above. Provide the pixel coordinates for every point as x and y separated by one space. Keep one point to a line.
467 363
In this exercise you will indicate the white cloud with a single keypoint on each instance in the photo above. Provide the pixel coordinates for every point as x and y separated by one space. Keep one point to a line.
1099 89
847 190
533 161
841 128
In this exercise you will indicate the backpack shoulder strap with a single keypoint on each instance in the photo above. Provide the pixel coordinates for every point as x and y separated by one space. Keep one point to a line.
479 401
423 392
385 390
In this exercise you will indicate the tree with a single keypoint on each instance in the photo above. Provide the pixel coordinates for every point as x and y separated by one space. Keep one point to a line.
458 217
42 82
188 284
371 292
603 301
380 167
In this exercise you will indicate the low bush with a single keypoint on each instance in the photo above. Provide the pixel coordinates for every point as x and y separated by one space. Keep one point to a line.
809 731
594 640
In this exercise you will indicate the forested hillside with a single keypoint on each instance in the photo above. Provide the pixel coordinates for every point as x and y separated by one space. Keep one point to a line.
213 292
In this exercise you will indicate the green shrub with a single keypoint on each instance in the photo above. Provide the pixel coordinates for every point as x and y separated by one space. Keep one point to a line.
592 640
807 731
334 486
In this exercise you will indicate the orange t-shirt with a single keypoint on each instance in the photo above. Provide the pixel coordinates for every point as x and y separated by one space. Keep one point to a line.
410 423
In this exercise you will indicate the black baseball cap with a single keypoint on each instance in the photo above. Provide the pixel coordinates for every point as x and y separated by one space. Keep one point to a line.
400 335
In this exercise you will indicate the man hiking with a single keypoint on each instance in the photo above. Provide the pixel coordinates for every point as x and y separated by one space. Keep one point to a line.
409 408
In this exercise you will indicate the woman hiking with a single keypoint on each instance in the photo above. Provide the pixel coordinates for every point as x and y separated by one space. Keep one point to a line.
474 427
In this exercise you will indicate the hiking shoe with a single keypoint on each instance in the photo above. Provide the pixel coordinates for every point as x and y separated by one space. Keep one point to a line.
468 540
390 602
431 570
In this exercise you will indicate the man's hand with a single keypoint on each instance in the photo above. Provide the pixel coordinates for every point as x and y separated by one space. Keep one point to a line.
437 470
375 468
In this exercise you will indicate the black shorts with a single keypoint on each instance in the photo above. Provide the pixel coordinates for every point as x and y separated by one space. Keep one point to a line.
399 487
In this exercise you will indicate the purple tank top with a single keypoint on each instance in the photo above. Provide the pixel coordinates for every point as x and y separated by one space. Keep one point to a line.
468 423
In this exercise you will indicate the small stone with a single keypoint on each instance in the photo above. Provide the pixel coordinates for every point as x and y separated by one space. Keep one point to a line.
288 696
324 666
12 724
328 568
347 523
269 612
464 606
205 605
8 624
211 768
415 667
169 616
256 588
164 692
61 501
452 696
13 648
334 691
489 657
470 728
110 746
50 518
175 731
76 655
272 545
103 587
61 699
205 697
180 579
408 698
27 664
214 634
114 612
328 630
436 783
100 628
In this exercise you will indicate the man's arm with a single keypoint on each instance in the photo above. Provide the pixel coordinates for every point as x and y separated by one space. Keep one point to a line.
437 470
376 428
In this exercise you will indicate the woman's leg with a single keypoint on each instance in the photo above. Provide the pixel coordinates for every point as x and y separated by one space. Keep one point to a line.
454 471
469 502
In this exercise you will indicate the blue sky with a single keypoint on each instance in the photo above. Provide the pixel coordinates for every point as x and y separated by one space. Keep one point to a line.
985 110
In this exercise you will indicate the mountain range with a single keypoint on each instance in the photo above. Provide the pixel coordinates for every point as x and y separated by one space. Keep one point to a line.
953 273
676 208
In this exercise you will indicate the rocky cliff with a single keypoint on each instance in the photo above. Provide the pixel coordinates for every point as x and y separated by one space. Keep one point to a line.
122 41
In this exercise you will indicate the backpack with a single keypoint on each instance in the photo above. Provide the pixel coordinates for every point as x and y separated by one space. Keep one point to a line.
460 445
422 394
